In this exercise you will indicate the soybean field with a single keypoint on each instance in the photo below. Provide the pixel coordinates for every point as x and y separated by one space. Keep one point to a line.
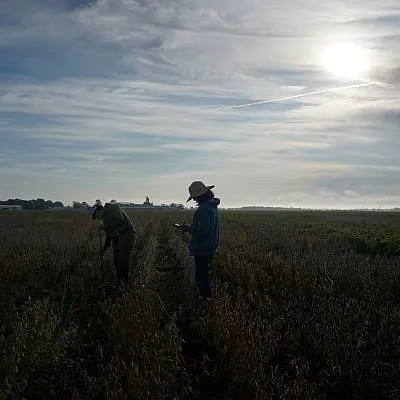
306 305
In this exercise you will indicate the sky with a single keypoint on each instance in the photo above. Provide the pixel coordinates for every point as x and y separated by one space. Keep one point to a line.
119 99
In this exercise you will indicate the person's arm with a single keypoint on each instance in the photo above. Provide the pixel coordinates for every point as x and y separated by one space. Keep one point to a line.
107 242
110 221
201 223
108 239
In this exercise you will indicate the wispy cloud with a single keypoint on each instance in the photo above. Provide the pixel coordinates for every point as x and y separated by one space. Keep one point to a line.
116 99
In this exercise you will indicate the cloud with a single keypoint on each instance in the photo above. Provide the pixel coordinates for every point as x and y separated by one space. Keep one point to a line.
124 97
384 22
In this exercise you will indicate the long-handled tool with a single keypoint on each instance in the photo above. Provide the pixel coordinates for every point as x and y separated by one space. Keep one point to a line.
101 255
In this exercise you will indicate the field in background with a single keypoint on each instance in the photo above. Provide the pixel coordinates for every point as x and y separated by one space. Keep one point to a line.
306 306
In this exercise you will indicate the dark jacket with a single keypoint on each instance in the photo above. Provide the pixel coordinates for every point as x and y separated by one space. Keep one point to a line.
205 229
116 223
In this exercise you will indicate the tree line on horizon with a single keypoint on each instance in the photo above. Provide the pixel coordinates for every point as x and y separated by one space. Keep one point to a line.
42 204
34 204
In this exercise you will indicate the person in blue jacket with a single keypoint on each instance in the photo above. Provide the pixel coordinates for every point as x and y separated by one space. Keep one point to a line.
204 231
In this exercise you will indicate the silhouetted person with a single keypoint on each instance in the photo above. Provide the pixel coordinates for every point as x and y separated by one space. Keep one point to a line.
205 234
120 232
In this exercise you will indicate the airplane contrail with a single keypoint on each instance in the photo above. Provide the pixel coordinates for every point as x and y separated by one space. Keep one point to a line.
207 110
296 96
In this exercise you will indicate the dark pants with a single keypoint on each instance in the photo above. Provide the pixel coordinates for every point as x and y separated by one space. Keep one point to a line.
122 249
203 275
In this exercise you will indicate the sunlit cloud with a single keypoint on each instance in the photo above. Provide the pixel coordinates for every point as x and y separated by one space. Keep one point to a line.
116 99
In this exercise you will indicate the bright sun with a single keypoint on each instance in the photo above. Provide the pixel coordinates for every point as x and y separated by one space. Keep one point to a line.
346 60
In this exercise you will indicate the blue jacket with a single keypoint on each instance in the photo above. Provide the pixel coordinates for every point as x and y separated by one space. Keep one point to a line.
205 229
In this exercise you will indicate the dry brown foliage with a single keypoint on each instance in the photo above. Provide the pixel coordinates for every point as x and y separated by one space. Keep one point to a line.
305 306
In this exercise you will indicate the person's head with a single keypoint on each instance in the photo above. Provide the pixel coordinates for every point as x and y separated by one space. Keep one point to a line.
200 192
204 197
97 211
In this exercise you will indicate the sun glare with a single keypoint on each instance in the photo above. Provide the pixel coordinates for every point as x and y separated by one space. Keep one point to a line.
346 61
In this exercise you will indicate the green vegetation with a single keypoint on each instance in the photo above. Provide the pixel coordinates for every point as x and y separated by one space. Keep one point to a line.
305 306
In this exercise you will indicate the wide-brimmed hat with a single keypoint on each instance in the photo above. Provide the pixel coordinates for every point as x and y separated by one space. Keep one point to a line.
197 189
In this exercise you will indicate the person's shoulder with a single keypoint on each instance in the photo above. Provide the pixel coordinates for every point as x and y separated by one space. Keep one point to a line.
111 209
111 206
213 203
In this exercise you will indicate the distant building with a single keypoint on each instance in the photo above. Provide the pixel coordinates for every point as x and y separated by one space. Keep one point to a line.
147 204
10 207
